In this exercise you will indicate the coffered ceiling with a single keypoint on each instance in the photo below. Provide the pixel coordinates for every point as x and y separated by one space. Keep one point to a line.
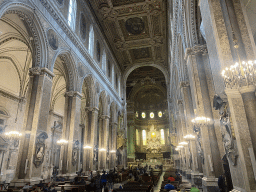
135 30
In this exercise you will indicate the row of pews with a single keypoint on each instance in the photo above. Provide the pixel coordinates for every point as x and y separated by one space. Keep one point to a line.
179 185
145 185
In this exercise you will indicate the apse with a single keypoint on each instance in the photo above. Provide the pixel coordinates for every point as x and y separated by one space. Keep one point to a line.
147 114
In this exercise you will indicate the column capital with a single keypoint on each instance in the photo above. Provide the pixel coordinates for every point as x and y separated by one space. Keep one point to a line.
114 123
73 94
184 84
179 101
197 49
92 109
34 71
232 93
105 117
247 89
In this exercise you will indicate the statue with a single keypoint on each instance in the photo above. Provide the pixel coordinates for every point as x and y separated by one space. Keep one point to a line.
40 148
227 137
40 153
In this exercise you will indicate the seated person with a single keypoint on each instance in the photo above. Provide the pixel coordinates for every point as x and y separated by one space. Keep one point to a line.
171 178
194 189
169 186
177 178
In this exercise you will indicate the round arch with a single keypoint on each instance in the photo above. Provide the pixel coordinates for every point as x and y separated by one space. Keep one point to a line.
37 33
131 69
69 65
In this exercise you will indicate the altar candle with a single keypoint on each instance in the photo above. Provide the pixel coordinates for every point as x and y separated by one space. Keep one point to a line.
26 166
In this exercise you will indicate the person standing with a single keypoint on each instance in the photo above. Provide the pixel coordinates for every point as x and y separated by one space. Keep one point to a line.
222 183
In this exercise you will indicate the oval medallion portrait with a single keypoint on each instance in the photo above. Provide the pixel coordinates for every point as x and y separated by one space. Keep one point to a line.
52 39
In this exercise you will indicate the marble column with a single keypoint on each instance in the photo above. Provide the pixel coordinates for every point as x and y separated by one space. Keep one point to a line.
114 144
212 167
105 140
71 132
37 110
244 180
183 133
93 129
86 141
189 115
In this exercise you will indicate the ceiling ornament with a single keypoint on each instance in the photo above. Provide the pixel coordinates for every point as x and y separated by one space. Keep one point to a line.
135 30
135 25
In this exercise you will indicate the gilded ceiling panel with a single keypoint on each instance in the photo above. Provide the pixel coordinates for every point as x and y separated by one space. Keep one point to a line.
135 30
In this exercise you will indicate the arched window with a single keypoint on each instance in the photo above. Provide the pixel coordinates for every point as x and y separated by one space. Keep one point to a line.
116 81
152 115
98 51
83 27
72 14
109 69
162 137
91 41
144 137
137 137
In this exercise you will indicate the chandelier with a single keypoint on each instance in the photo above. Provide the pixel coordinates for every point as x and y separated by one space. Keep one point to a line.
13 135
102 149
189 136
183 143
62 142
179 147
200 120
240 74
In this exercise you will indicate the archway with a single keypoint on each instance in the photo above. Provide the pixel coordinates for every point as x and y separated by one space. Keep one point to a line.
19 51
147 110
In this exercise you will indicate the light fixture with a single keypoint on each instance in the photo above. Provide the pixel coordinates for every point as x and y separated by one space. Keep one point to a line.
201 120
189 136
62 142
102 149
87 147
183 143
13 135
177 149
160 114
143 115
112 151
179 146
240 74
152 115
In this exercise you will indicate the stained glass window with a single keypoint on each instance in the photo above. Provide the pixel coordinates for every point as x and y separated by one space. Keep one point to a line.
144 137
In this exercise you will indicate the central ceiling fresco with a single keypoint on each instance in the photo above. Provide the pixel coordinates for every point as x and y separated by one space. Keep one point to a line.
135 30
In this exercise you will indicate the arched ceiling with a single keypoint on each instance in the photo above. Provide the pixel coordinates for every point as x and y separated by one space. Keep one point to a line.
146 87
135 29
144 76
